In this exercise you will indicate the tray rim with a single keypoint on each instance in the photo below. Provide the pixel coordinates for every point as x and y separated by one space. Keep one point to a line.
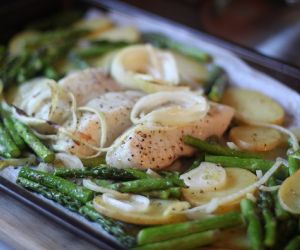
241 51
75 225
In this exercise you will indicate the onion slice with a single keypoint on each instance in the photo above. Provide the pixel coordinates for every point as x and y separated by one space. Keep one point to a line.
132 203
207 177
146 68
171 108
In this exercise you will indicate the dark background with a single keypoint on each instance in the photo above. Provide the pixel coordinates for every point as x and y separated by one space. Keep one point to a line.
269 27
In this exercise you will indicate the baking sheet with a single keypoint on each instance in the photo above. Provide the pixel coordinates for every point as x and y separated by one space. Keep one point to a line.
239 72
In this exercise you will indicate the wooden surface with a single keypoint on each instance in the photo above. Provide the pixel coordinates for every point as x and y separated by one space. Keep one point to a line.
23 228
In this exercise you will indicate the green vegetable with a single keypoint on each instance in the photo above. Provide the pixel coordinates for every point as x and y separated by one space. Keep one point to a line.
102 172
214 74
38 55
61 185
99 48
174 192
9 125
293 162
254 230
51 194
280 213
34 143
187 242
8 144
294 244
162 41
93 162
107 224
154 234
17 162
218 88
87 210
270 228
144 185
236 162
216 149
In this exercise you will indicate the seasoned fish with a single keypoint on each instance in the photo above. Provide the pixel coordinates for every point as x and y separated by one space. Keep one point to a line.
154 146
116 107
88 84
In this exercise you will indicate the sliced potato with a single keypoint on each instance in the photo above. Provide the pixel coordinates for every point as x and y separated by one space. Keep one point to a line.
289 194
255 138
236 179
158 212
19 41
126 33
252 106
190 71
95 25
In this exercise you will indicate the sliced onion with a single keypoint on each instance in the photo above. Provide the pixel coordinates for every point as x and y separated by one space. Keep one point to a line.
94 187
30 160
159 69
186 107
152 173
133 203
207 177
69 161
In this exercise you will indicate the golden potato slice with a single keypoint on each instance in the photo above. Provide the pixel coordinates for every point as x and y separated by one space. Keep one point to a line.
252 106
18 42
158 212
289 194
126 33
95 25
190 71
255 138
236 179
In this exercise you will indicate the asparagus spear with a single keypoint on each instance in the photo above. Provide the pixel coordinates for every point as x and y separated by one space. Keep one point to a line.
17 162
217 90
144 185
236 162
61 185
162 41
294 244
34 143
102 172
293 162
93 162
9 145
216 149
87 210
99 48
187 242
214 74
107 224
254 231
154 234
9 125
280 213
270 223
51 194
174 192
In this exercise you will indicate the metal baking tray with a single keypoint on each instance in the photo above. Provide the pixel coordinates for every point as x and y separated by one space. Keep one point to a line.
286 73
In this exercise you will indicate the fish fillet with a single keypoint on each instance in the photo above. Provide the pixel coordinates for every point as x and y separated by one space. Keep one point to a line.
116 107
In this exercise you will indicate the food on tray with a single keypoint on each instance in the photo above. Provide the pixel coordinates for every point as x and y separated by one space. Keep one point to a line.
148 138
